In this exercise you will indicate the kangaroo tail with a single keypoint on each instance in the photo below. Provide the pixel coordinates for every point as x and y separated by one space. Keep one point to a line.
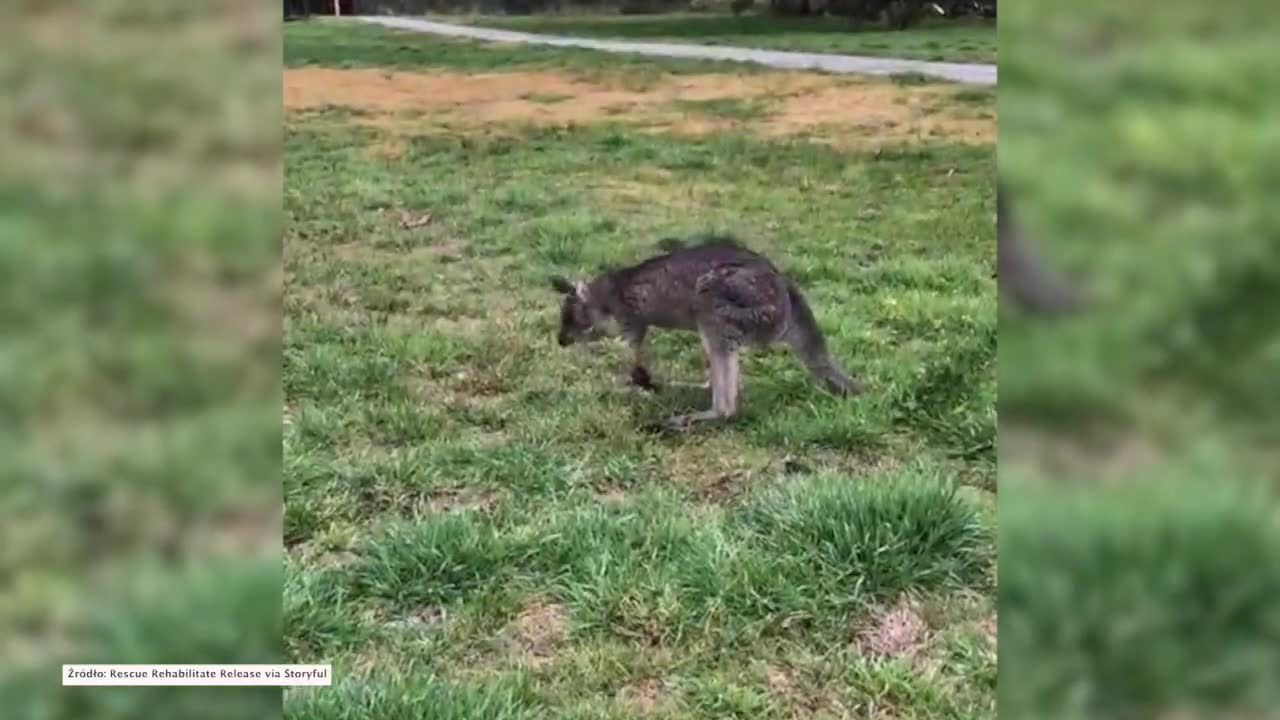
805 338
1022 277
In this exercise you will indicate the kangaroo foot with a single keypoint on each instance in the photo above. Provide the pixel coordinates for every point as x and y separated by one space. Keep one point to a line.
686 422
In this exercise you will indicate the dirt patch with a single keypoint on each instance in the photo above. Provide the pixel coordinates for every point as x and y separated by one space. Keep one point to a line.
780 682
843 113
644 697
612 496
720 471
714 466
482 98
988 629
536 634
239 533
899 632
409 220
446 250
421 620
225 319
802 698
428 248
460 500
1105 457
453 394
463 326
874 114
722 489
855 464
336 559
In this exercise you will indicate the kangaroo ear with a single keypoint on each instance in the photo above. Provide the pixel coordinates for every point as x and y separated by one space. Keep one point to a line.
581 289
562 286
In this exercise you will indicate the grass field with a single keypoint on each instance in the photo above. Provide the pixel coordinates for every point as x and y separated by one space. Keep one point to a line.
944 40
1139 544
478 522
139 373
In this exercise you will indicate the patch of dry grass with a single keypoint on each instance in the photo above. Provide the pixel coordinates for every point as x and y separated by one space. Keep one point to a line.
862 115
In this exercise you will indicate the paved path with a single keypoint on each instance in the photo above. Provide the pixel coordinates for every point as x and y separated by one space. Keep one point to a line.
974 74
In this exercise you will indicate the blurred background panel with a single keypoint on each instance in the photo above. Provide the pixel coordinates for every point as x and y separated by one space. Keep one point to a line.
140 290
1140 555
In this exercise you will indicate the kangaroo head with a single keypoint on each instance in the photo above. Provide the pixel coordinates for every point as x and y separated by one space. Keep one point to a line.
583 318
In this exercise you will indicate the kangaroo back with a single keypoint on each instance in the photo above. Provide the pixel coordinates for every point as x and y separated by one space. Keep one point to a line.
806 340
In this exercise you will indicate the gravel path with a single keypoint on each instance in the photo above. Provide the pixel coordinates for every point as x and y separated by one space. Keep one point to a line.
974 74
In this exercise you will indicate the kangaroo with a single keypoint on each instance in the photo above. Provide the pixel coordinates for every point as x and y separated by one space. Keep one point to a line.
732 297
1022 276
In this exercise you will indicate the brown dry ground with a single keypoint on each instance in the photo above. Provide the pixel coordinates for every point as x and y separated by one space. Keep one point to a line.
848 113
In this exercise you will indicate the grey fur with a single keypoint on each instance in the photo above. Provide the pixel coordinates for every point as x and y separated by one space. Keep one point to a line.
732 297
1023 278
